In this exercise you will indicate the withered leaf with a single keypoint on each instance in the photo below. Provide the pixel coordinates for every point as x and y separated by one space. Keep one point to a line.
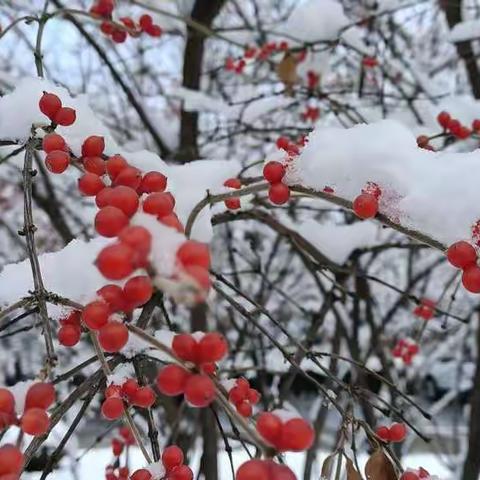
379 467
352 473
287 71
328 466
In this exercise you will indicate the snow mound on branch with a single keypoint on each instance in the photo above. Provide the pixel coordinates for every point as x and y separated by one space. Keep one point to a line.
195 101
436 193
467 30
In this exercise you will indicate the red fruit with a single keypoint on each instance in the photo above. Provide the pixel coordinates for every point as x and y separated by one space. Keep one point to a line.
95 314
279 193
11 460
117 447
233 203
461 255
233 183
119 36
145 21
90 184
192 252
57 161
130 387
107 28
35 422
253 470
113 408
69 335
115 261
236 395
283 143
113 336
212 348
269 426
422 473
280 472
273 172
102 198
113 391
65 116
129 177
138 238
365 206
49 104
398 432
297 435
409 476
171 380
115 165
40 395
93 146
454 126
94 165
141 474
185 347
172 221
181 473
476 125
208 368
172 457
153 182
154 31
7 401
144 397
52 142
138 290
423 141
124 198
471 279
253 396
110 221
383 433
463 133
200 275
200 391
245 409
160 204
443 118
113 296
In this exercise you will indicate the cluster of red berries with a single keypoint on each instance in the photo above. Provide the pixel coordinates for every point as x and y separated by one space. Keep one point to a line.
369 62
172 461
365 205
264 470
51 106
455 127
395 433
125 439
235 184
34 420
406 350
130 392
415 474
104 9
117 473
243 397
293 434
11 462
313 79
311 114
279 192
463 255
425 309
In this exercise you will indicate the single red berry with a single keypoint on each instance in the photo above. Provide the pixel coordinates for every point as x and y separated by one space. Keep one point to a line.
153 182
124 198
113 336
65 116
158 204
102 199
129 177
253 470
144 397
35 422
443 118
50 104
57 161
245 409
283 143
463 132
269 426
138 238
141 474
119 36
110 221
236 395
52 142
233 203
233 183
476 125
94 165
154 31
138 290
398 431
182 472
107 28
117 447
171 380
130 387
113 408
113 296
409 476
145 21
113 391
69 335
93 146
454 126
209 368
383 433
297 435
115 261
279 193
471 278
365 206
461 254
172 457
192 252
115 165
7 401
90 184
185 347
273 172
95 314
212 347
40 395
11 460
200 391
253 396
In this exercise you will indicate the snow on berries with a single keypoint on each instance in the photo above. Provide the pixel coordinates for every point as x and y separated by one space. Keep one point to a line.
425 309
278 193
463 255
234 184
406 350
395 433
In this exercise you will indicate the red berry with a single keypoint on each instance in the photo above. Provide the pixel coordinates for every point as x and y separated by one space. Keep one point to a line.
383 432
200 276
171 380
141 474
181 472
279 193
117 447
409 476
35 422
11 460
236 395
253 470
115 165
160 204
233 203
113 408
113 391
172 457
138 238
461 254
40 395
7 401
172 221
200 391
398 432
129 177
154 31
57 161
476 125
192 252
130 387
69 335
124 198
145 21
153 182
94 165
365 206
212 347
454 126
93 146
253 396
52 142
115 261
49 104
269 426
233 183
245 409
144 397
119 36
283 143
443 118
471 279
297 435
138 290
113 296
65 117
102 199
110 221
107 28
185 347
95 315
273 172
463 132
280 472
113 336
90 184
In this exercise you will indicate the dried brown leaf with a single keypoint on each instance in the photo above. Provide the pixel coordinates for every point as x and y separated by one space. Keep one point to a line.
328 466
287 71
379 467
352 473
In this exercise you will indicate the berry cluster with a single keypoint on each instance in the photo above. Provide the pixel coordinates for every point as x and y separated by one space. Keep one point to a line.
311 114
365 205
463 255
426 309
172 462
264 470
235 184
395 433
415 474
34 420
293 434
126 439
11 462
369 62
313 79
406 350
130 392
51 106
278 193
243 397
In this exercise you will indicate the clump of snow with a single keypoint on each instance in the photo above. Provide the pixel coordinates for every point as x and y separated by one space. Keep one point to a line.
121 374
196 101
466 30
285 415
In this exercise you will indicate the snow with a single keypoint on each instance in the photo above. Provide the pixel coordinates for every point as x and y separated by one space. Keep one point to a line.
194 101
466 30
436 193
